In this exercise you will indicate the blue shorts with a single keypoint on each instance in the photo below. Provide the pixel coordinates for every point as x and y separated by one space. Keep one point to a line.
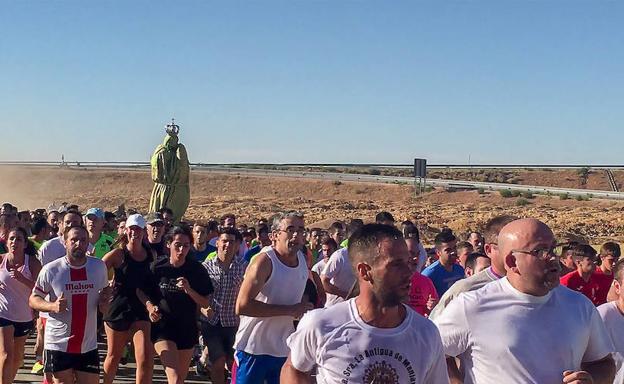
255 369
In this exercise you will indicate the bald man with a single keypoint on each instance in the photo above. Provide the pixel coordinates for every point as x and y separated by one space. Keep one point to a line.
525 327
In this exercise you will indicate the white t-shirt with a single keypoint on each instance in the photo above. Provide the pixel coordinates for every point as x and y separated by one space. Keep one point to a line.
472 283
614 321
347 350
506 336
74 330
51 250
318 267
55 249
340 273
422 257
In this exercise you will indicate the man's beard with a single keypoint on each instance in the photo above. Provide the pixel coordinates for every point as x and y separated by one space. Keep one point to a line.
77 255
389 298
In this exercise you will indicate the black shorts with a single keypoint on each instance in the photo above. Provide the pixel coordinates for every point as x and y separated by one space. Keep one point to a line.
122 321
19 329
122 325
184 336
57 361
219 340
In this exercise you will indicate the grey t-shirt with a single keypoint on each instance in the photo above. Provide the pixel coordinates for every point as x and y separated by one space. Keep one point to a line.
471 283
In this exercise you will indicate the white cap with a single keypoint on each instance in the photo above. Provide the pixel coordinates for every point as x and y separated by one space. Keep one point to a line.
135 219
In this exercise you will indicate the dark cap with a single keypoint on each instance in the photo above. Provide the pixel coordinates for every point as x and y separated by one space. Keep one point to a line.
154 217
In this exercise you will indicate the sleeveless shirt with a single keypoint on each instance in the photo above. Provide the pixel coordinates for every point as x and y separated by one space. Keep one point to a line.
285 286
14 294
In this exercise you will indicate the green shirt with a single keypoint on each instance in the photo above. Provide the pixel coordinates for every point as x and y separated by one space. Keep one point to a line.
112 234
36 243
103 245
211 256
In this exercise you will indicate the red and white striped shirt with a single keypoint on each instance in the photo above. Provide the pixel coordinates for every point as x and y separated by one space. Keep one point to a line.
73 330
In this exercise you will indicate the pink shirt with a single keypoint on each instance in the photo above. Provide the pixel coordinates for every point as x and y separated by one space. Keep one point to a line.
14 294
421 288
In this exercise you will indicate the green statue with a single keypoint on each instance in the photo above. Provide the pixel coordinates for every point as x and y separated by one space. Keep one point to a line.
170 173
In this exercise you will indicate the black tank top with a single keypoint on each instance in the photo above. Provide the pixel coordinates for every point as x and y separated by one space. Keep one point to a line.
130 275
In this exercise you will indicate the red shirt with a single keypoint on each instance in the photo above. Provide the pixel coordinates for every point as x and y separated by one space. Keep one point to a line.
595 289
600 272
421 287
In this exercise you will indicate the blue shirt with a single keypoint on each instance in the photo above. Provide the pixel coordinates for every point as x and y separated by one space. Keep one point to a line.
442 279
253 251
201 256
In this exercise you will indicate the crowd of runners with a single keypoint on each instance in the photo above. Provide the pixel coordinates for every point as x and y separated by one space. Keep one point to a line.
277 301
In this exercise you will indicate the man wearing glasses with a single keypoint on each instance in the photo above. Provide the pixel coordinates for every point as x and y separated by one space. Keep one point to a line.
155 232
269 300
525 327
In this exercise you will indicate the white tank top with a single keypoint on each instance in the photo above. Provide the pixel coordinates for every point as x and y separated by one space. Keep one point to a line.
14 294
285 286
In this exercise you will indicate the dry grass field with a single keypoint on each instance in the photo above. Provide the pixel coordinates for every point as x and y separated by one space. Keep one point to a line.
213 195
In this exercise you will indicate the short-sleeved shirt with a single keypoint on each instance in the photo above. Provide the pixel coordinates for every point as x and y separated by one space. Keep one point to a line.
103 245
472 283
503 335
319 266
345 349
421 289
226 284
614 322
158 248
200 256
596 289
443 279
253 251
340 273
176 306
74 330
55 249
36 243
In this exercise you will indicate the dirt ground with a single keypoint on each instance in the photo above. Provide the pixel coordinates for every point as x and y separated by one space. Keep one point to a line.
322 202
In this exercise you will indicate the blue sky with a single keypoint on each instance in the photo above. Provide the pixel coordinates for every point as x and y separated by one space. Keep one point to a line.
314 81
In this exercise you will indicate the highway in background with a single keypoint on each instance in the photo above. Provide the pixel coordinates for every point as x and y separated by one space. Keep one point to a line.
453 184
247 170
324 165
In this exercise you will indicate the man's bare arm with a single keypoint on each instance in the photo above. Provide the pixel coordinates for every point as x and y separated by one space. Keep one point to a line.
331 288
40 304
256 276
319 287
292 375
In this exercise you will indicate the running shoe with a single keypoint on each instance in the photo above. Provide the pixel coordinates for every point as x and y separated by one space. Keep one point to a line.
201 369
37 367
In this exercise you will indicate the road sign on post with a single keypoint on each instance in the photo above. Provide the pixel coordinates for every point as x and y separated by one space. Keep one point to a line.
420 173
420 168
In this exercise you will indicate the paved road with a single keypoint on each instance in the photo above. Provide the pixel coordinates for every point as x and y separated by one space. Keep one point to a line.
125 375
